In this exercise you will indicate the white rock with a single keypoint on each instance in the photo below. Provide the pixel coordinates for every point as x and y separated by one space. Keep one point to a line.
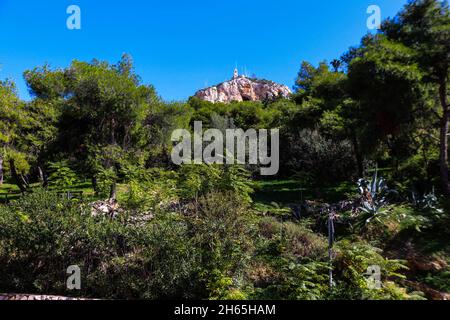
243 89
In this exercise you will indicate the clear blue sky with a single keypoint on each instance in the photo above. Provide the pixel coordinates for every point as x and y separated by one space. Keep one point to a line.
180 46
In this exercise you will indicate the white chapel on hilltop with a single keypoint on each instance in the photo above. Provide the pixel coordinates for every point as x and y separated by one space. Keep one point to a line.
236 73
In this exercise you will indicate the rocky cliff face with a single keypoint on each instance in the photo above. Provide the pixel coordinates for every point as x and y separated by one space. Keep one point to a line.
241 88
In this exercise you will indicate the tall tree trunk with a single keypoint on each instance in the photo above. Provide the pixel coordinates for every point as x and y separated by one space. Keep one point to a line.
43 178
16 176
113 131
95 184
359 158
443 148
25 181
40 175
1 169
113 191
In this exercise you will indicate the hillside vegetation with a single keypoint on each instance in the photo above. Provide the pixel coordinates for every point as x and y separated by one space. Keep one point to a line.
86 179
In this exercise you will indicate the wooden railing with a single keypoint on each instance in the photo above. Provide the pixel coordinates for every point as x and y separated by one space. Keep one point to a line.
71 194
6 197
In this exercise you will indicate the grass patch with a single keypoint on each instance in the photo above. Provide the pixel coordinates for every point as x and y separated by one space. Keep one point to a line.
291 191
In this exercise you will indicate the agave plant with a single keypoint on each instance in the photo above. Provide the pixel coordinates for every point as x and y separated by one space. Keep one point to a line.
429 201
374 197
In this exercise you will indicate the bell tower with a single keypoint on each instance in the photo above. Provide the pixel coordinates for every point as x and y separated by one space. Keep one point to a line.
236 73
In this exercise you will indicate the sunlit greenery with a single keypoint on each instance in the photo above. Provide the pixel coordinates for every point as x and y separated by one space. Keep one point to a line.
363 140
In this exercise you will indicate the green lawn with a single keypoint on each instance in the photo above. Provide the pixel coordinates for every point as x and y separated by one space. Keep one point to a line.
10 191
283 192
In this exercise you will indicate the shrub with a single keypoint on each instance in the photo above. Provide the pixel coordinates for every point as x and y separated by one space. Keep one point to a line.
292 239
200 179
41 235
197 180
172 256
222 229
291 262
319 159
62 176
401 219
149 190
350 267
296 281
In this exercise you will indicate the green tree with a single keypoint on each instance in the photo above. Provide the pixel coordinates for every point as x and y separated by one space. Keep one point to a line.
386 91
13 118
158 125
103 107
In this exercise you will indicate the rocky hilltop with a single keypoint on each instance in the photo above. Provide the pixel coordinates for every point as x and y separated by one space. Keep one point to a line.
241 88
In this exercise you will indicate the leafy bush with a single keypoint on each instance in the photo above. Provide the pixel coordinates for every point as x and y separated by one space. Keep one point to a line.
218 250
382 231
105 179
222 230
318 159
296 281
291 262
149 190
438 280
352 261
199 179
61 175
292 239
171 256
41 235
